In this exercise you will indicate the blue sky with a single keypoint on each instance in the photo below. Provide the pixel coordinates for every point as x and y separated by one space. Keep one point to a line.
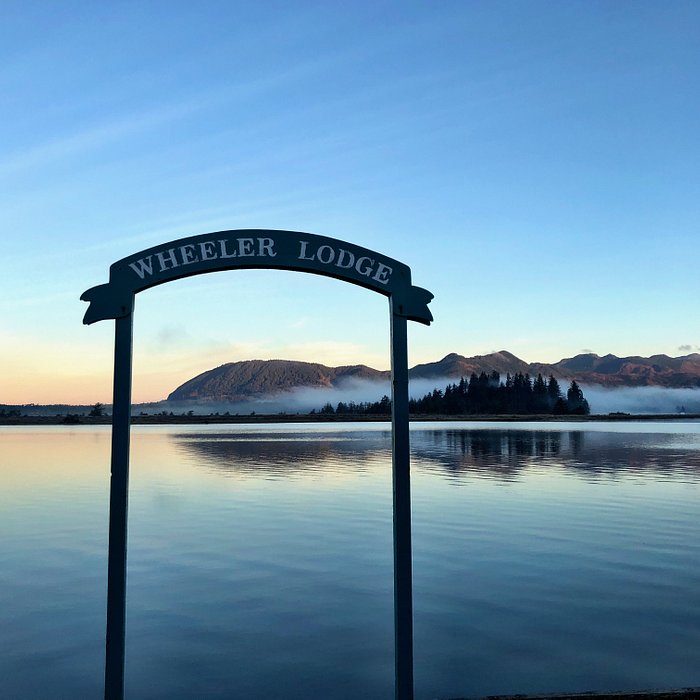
535 163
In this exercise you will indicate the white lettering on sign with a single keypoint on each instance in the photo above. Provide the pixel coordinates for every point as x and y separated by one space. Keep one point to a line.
205 251
188 255
364 266
245 247
344 259
167 257
325 251
142 267
265 247
224 254
302 252
382 273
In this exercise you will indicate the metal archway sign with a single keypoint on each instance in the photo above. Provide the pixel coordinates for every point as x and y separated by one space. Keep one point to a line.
257 249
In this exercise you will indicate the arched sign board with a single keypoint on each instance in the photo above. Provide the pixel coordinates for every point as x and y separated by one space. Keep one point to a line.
256 249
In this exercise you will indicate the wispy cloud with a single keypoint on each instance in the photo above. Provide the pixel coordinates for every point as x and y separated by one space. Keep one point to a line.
330 352
66 297
187 222
174 346
299 323
94 137
112 130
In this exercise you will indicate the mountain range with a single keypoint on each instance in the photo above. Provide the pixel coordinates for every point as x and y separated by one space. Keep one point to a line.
250 379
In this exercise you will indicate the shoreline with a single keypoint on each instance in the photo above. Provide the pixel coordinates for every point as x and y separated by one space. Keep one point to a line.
73 419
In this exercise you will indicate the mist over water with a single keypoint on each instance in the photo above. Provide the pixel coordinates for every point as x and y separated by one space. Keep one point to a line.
602 400
642 400
306 399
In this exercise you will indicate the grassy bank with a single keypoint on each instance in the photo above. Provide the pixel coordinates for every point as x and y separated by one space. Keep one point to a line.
73 419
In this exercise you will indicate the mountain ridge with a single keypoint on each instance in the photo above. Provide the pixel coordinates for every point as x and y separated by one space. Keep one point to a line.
249 379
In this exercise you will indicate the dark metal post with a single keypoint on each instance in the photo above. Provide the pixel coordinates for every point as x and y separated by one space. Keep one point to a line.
403 576
118 501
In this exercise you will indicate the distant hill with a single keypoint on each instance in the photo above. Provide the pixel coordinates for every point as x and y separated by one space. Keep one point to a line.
240 381
248 379
609 370
454 365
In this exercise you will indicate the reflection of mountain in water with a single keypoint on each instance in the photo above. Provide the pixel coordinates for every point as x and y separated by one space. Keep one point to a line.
281 454
500 454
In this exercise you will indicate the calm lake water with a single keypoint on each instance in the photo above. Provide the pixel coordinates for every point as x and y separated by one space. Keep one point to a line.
547 557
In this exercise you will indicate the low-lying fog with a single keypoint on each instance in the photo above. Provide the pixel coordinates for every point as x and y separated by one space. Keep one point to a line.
642 400
636 400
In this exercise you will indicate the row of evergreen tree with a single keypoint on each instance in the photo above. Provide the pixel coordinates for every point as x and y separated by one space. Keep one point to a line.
518 394
484 394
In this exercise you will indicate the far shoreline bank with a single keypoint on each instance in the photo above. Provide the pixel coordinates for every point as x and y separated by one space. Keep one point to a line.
73 419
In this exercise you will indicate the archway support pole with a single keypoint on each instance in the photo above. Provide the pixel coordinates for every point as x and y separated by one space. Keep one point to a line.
401 475
118 509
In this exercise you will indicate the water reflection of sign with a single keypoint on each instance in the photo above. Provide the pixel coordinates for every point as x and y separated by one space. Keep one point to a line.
261 249
256 249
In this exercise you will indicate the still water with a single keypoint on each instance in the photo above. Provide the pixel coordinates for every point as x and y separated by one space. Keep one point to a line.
547 557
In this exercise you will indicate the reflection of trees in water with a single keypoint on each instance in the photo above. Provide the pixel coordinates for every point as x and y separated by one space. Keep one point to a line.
283 454
501 454
576 441
508 453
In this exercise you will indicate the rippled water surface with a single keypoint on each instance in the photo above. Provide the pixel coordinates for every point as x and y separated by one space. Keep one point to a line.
547 557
